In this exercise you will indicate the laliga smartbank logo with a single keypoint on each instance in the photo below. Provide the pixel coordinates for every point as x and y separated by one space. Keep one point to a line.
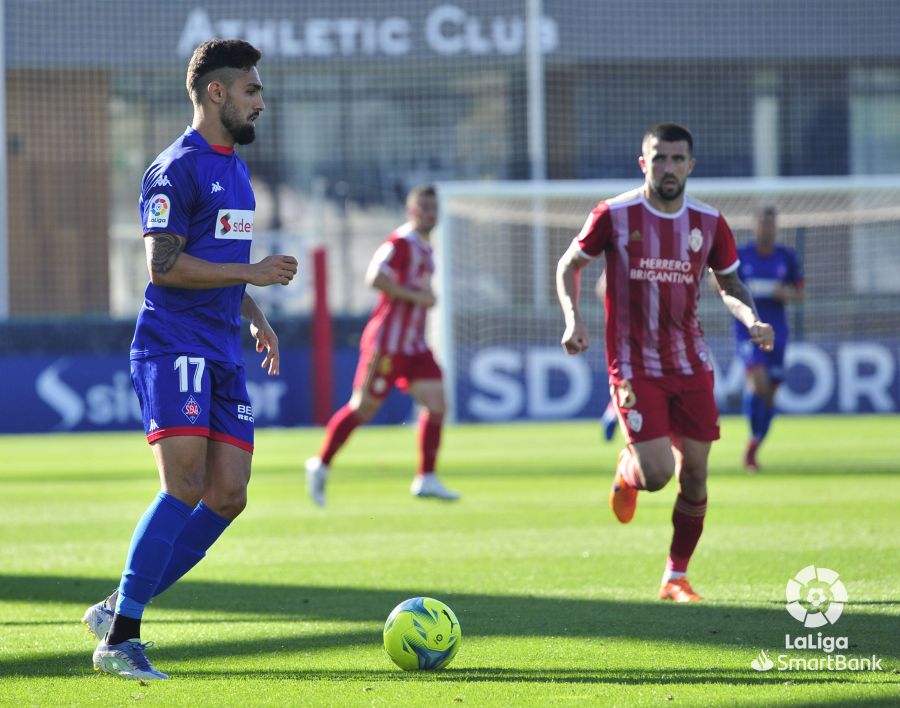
816 597
823 592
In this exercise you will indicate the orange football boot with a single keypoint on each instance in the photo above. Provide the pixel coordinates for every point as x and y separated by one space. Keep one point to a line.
678 590
622 498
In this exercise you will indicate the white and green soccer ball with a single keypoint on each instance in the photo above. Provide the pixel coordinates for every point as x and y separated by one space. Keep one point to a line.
421 634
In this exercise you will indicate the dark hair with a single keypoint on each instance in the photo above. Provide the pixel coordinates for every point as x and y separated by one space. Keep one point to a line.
215 55
421 190
670 133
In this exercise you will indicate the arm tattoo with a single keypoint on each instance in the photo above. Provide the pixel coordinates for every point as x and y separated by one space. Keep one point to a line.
165 251
732 285
735 294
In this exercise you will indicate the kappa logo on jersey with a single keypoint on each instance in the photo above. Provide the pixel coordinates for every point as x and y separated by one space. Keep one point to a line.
236 224
191 409
216 187
162 181
695 240
158 212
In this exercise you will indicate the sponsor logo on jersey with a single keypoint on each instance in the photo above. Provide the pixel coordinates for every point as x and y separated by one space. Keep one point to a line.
695 239
162 181
761 287
662 270
235 224
158 211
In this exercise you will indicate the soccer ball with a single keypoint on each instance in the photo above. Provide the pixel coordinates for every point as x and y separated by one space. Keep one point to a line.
421 634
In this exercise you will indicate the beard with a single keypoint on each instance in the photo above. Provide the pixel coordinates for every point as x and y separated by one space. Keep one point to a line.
668 191
243 132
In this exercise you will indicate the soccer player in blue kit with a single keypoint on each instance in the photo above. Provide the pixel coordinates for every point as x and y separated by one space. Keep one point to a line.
774 276
196 209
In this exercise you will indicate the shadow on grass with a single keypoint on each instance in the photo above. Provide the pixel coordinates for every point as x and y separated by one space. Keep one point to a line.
624 676
747 628
77 664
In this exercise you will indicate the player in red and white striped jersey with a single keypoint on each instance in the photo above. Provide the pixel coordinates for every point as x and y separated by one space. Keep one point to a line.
393 350
658 244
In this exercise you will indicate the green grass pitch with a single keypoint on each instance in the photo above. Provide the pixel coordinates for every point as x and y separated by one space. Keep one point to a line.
555 599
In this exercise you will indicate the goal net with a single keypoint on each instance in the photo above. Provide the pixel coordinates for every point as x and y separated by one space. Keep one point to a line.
500 323
366 98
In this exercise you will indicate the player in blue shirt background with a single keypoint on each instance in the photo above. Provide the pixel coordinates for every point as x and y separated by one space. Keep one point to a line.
197 208
774 275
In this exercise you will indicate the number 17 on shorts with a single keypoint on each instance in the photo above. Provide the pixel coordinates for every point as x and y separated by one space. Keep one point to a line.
190 395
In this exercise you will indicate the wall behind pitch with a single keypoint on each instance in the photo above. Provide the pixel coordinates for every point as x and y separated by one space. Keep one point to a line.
541 382
92 392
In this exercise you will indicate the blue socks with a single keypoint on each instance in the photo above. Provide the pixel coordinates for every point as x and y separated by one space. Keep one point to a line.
150 553
767 421
200 532
759 415
169 540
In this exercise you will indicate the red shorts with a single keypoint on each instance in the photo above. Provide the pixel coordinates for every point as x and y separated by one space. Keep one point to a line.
378 373
651 408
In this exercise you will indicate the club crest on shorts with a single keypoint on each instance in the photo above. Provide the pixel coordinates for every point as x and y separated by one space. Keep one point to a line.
191 409
695 240
635 420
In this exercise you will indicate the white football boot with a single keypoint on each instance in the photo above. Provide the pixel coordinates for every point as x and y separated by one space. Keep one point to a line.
126 660
98 618
428 485
316 476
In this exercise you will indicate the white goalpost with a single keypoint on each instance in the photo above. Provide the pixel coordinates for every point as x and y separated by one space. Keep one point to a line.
498 324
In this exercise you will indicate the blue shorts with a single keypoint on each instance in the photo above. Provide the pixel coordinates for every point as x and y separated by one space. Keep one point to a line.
188 395
753 356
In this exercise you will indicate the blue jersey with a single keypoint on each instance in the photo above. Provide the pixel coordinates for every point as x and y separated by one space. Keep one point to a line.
762 274
204 195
